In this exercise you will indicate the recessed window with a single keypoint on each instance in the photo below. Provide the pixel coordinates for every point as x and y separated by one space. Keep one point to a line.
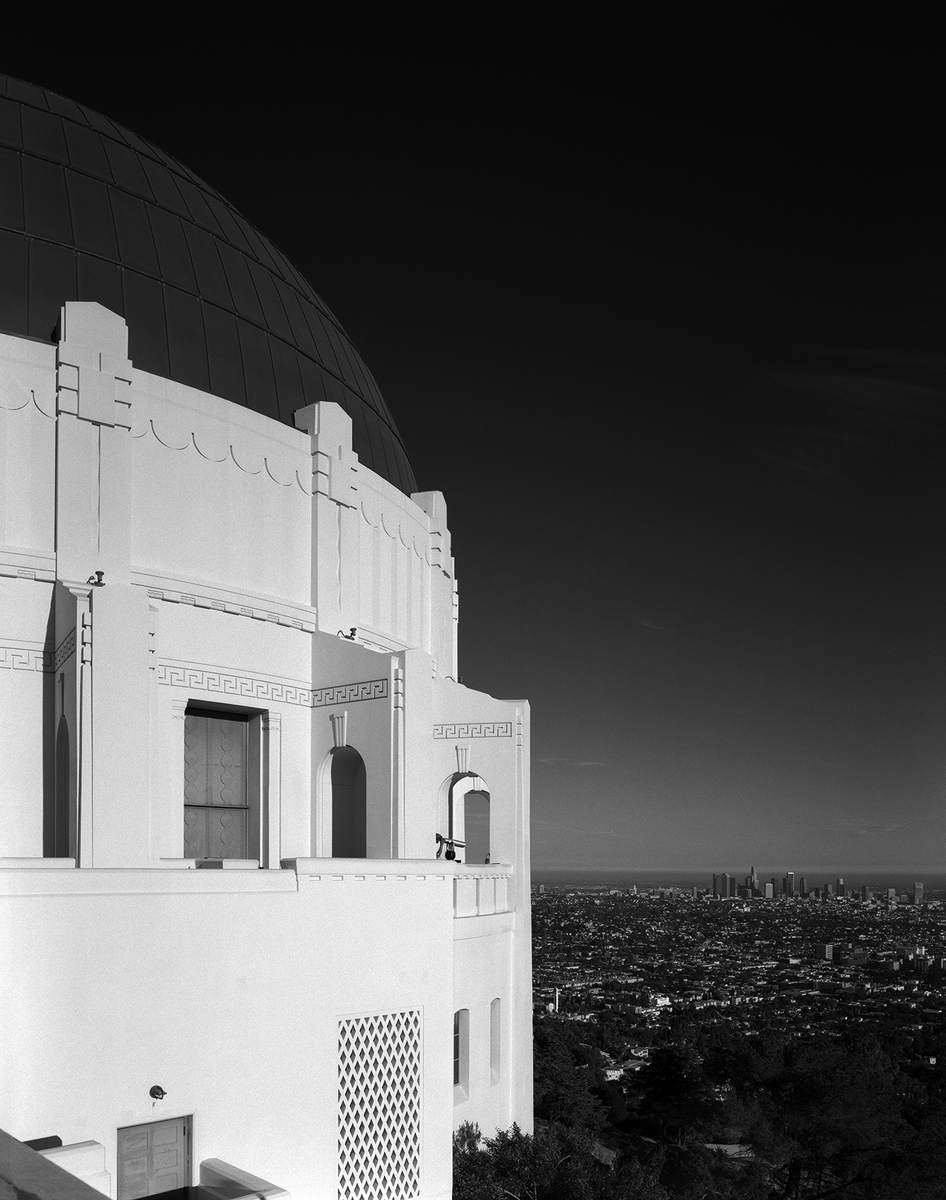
461 1055
349 804
221 784
495 1038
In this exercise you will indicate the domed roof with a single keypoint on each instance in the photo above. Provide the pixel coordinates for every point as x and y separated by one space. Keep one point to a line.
91 211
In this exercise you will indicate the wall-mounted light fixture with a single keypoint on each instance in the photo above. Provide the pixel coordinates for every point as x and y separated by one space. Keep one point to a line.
447 847
157 1092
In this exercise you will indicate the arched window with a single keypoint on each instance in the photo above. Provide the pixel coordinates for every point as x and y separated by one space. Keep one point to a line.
476 822
349 804
469 817
61 839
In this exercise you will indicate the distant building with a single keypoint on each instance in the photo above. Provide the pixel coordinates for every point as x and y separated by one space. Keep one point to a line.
918 893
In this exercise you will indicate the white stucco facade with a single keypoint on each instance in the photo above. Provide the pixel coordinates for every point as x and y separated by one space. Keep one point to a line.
168 560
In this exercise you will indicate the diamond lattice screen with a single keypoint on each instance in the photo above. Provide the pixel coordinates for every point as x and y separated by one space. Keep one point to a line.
379 1107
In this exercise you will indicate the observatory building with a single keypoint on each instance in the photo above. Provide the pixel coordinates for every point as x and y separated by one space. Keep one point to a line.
264 860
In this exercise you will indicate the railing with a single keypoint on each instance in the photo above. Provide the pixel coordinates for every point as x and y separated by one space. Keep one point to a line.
479 889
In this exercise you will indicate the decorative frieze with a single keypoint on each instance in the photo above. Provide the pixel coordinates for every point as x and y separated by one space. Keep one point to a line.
250 687
18 657
479 729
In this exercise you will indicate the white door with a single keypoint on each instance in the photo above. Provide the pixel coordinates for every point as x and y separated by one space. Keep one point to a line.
153 1158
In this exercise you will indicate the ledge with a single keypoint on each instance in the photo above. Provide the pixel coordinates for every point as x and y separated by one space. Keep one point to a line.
388 868
327 869
484 925
23 1172
227 864
215 1173
104 881
36 864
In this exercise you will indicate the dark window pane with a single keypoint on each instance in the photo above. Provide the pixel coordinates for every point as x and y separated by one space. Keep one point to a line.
52 283
392 456
341 356
326 353
258 368
172 249
42 134
359 435
13 283
197 205
91 215
241 285
223 352
11 190
228 223
44 194
65 108
162 184
86 151
287 270
259 247
100 281
102 124
186 339
273 310
127 169
147 330
374 392
137 143
211 281
10 124
300 330
288 383
361 383
335 390
18 89
135 243
312 386
375 456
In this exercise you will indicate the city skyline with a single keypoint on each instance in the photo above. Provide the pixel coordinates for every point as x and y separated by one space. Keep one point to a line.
705 307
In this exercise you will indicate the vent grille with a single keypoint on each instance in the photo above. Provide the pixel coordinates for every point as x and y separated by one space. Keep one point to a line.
379 1106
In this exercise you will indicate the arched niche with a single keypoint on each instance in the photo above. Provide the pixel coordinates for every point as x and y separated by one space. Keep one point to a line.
469 817
59 840
349 803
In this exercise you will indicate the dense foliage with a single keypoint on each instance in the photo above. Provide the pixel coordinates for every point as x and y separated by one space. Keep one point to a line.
717 1113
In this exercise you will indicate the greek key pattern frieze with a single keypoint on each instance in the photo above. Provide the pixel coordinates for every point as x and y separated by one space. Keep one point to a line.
349 693
23 658
247 687
481 729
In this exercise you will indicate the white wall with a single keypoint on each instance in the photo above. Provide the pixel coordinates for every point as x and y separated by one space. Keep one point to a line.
228 1000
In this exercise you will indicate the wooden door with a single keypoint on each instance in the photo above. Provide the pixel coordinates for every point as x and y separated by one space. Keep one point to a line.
215 797
153 1158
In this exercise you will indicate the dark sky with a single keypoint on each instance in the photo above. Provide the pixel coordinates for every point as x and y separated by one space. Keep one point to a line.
661 312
